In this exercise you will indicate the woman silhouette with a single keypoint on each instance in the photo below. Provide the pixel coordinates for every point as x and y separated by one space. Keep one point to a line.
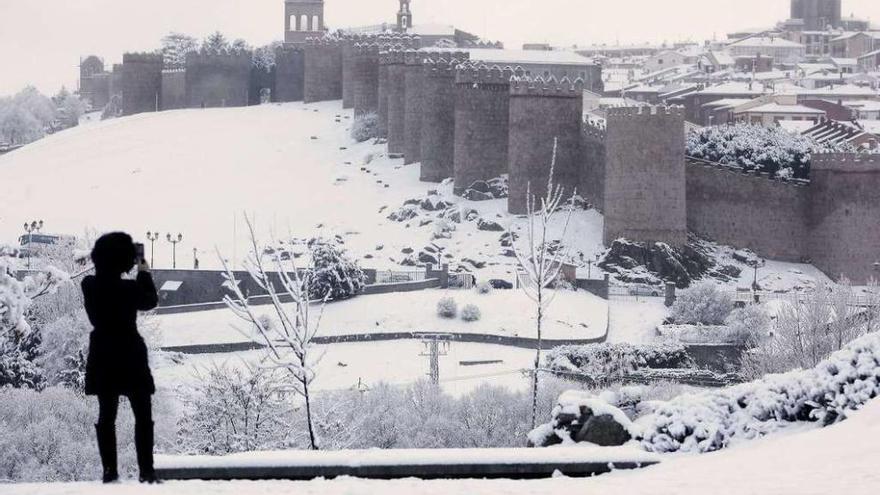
117 363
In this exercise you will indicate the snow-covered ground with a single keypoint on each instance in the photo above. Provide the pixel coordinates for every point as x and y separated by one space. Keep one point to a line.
292 165
401 362
635 319
571 315
196 171
840 459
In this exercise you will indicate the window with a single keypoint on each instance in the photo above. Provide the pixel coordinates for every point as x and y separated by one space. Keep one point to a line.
303 23
316 24
292 24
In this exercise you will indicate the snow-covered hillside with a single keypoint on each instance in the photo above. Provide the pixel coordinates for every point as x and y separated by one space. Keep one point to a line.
196 171
293 166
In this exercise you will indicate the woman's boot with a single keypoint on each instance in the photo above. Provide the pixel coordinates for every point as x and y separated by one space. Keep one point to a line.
143 443
107 448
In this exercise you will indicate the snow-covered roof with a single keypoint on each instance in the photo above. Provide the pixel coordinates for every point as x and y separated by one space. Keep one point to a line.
549 57
798 126
765 41
865 105
871 126
726 103
780 108
735 88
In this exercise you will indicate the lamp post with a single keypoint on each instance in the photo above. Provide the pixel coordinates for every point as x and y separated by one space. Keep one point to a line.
29 228
195 259
757 264
174 241
152 237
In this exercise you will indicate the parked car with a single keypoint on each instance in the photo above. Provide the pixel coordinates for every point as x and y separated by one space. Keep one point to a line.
643 290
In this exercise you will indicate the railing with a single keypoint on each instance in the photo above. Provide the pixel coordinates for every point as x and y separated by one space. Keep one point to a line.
748 297
392 277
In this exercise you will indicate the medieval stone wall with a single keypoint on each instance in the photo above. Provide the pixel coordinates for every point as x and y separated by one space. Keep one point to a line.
141 83
592 172
482 112
844 216
645 175
396 96
747 210
413 93
323 70
366 78
438 118
289 74
218 79
543 112
173 89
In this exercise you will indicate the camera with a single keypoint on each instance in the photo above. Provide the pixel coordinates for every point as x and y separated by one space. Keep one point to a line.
139 253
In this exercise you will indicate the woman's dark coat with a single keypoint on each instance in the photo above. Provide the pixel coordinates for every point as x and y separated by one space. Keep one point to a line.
117 363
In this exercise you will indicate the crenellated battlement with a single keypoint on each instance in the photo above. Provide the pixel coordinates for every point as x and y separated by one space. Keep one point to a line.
239 58
480 73
368 49
393 56
324 41
441 67
593 130
846 162
413 57
746 174
549 87
643 111
142 58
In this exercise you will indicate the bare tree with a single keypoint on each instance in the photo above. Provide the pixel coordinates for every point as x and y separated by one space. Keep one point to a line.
540 261
289 338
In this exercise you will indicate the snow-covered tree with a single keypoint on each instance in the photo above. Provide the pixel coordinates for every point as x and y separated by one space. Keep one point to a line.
289 340
541 260
702 304
235 409
773 150
264 56
175 46
804 332
215 42
334 276
239 45
18 126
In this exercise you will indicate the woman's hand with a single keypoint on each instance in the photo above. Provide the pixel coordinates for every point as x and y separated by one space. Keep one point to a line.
143 266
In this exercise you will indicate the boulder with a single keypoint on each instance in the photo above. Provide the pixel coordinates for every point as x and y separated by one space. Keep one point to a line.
498 283
489 226
473 195
480 186
582 417
428 258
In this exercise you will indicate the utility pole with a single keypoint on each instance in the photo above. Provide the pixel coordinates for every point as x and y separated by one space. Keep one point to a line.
433 351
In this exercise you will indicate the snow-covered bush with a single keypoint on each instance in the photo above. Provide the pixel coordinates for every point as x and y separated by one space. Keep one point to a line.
806 331
50 435
748 325
365 127
235 409
608 362
470 312
755 147
447 308
63 350
334 275
709 421
702 304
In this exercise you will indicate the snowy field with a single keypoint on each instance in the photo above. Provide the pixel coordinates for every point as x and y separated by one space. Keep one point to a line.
294 166
351 365
840 459
571 315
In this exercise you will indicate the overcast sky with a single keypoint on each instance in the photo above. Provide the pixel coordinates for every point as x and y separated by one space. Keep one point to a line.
41 40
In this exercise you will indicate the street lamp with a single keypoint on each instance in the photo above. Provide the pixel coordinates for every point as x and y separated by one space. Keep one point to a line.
757 264
29 228
152 237
174 242
195 259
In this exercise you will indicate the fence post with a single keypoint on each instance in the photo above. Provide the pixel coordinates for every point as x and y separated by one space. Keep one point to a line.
670 294
444 276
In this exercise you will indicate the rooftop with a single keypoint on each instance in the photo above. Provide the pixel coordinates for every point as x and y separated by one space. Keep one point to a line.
779 108
765 41
512 57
